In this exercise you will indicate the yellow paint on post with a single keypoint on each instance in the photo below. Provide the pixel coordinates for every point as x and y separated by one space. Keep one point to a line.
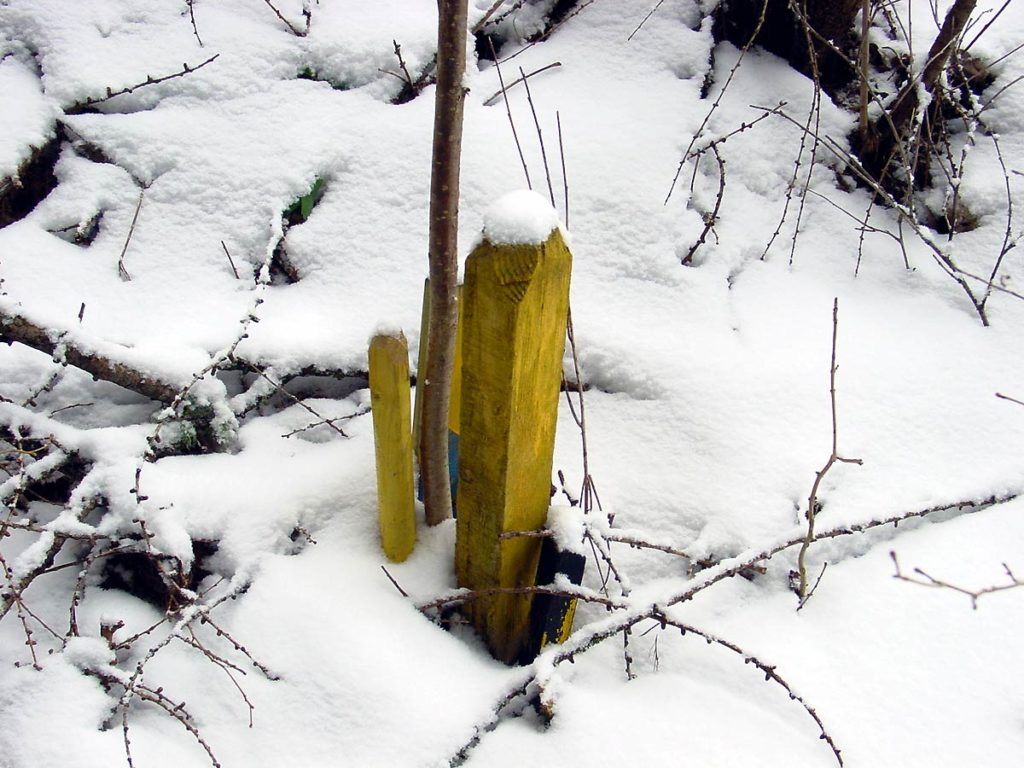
516 300
389 396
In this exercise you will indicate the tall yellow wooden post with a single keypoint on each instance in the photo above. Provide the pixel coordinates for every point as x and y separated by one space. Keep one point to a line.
515 305
392 437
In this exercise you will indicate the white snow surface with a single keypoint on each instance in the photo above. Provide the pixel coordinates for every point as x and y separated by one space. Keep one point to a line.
707 396
520 217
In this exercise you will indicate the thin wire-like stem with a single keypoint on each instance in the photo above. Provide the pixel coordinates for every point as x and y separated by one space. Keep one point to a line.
540 137
121 271
511 122
565 177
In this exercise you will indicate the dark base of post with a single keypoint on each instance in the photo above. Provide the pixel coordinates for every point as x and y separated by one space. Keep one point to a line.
551 616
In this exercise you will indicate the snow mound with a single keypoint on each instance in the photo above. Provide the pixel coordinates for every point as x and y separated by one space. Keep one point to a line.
520 217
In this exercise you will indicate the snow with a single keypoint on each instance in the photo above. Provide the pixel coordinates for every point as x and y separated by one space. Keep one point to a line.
567 526
707 393
520 217
26 115
88 653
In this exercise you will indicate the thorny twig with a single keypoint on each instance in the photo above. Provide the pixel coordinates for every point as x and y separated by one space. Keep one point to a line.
1011 399
1009 243
184 606
646 18
307 14
486 17
278 386
632 539
718 99
226 355
398 586
694 152
184 618
186 69
52 380
405 77
710 217
156 696
121 271
770 673
591 635
941 257
563 589
812 502
521 79
192 18
231 261
815 115
325 421
923 579
543 35
229 667
984 29
38 456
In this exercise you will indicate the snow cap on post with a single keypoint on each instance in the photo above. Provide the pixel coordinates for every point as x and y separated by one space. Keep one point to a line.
520 217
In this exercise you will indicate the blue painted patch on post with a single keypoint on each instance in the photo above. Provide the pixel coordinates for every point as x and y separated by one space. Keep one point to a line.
453 468
453 471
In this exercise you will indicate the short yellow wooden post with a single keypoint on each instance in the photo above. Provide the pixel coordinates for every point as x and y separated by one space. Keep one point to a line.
515 305
389 396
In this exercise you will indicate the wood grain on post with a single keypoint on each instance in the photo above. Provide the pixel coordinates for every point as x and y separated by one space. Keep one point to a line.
515 306
392 437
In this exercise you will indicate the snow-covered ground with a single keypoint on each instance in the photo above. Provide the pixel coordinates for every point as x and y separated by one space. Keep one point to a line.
708 404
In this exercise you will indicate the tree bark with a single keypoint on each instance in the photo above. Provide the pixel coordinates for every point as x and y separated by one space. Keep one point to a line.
782 32
14 327
938 58
443 257
891 129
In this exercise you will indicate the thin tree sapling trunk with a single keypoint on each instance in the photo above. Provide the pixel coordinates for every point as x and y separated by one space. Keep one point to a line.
443 255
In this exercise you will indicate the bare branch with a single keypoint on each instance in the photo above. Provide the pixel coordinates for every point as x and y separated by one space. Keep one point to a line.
718 99
521 79
307 13
121 271
834 457
1011 399
15 327
511 122
192 18
398 586
711 217
540 135
186 69
770 674
923 579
